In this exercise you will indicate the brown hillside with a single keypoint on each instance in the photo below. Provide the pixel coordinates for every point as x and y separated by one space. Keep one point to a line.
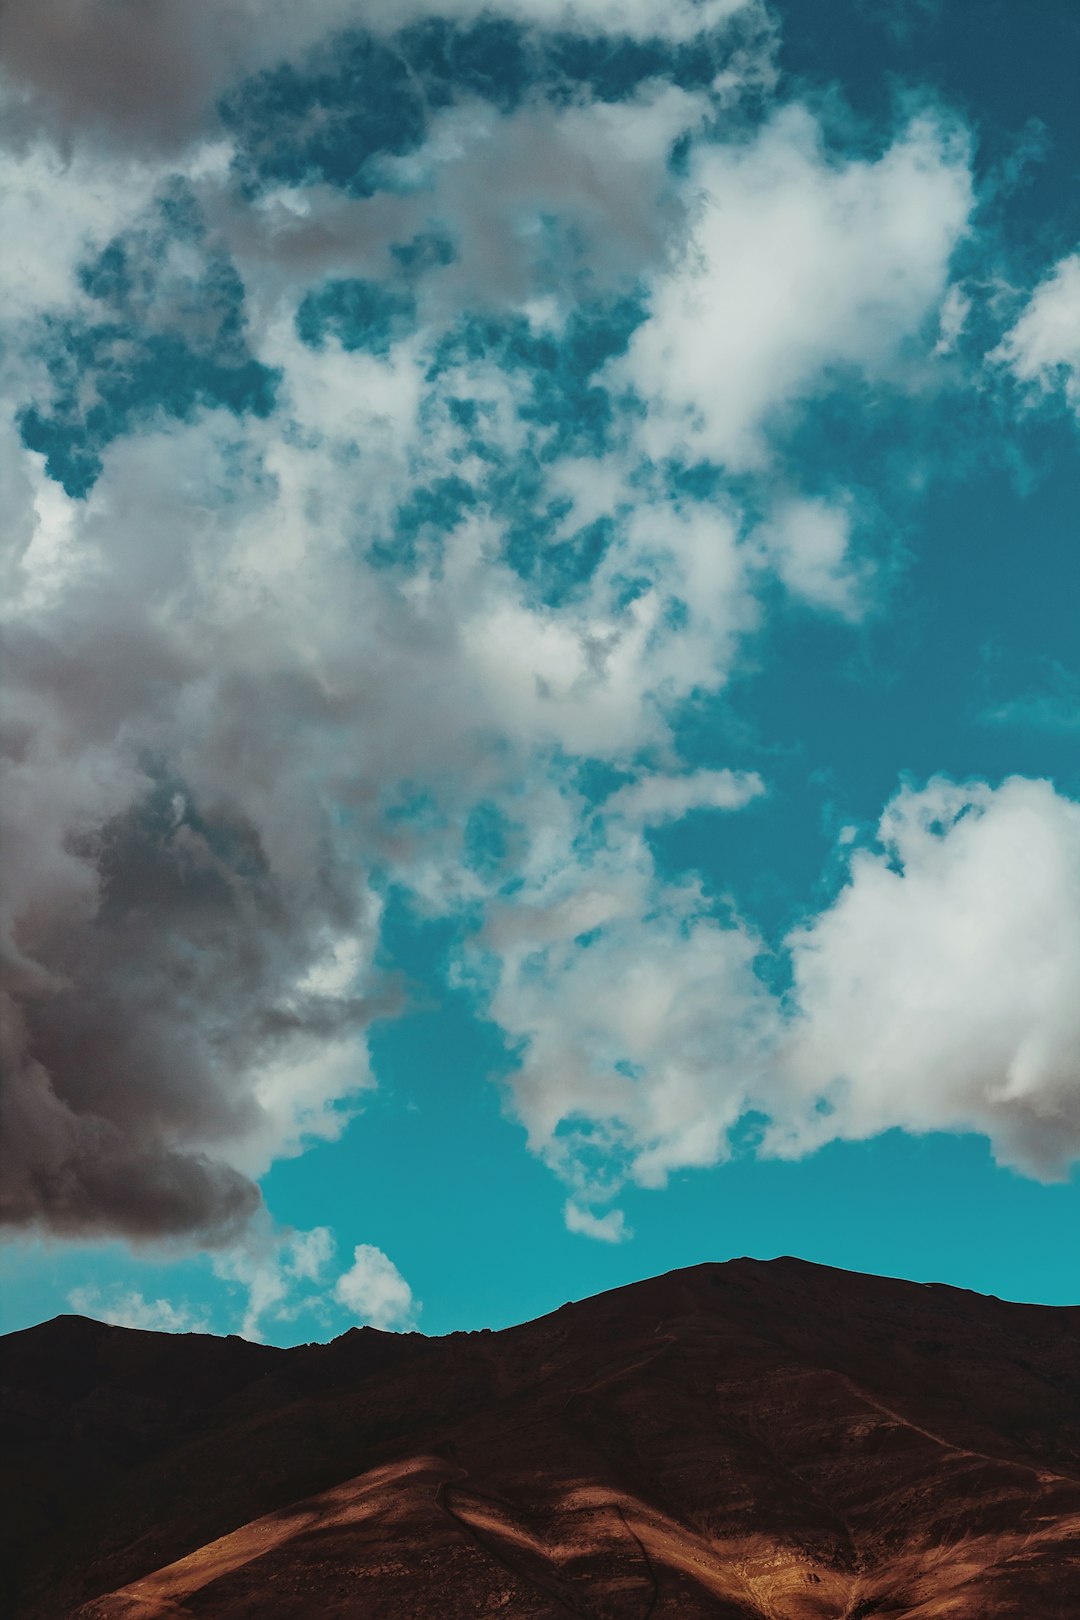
748 1440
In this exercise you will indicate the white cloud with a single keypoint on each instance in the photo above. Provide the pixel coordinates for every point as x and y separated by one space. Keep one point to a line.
809 545
272 1267
639 1023
610 1227
1043 348
656 798
956 307
641 1046
939 991
127 1307
798 262
376 1293
54 208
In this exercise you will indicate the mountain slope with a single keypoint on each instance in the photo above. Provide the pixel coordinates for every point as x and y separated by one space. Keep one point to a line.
755 1440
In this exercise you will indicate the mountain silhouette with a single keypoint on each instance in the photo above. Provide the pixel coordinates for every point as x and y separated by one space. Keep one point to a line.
749 1441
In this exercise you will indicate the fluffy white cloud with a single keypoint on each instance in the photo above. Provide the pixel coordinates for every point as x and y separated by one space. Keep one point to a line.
939 991
798 263
1043 348
376 1293
641 1038
127 1307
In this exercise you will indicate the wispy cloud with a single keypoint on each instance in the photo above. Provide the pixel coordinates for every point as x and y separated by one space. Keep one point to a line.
127 1307
279 1273
1053 706
1042 349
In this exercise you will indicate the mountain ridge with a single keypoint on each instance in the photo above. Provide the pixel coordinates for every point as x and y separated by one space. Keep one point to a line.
749 1438
814 1267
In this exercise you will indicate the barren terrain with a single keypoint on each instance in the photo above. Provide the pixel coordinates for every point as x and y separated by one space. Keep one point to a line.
746 1440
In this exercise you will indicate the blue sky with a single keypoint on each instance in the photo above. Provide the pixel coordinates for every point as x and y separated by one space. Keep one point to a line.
542 684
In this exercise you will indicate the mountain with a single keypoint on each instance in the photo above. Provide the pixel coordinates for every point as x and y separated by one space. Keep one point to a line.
740 1441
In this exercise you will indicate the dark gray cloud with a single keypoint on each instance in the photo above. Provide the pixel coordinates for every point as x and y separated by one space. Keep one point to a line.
134 1031
143 71
146 71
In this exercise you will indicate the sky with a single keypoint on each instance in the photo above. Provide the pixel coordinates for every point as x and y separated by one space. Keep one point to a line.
541 686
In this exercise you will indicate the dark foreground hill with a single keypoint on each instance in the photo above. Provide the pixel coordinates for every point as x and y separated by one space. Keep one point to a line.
748 1440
